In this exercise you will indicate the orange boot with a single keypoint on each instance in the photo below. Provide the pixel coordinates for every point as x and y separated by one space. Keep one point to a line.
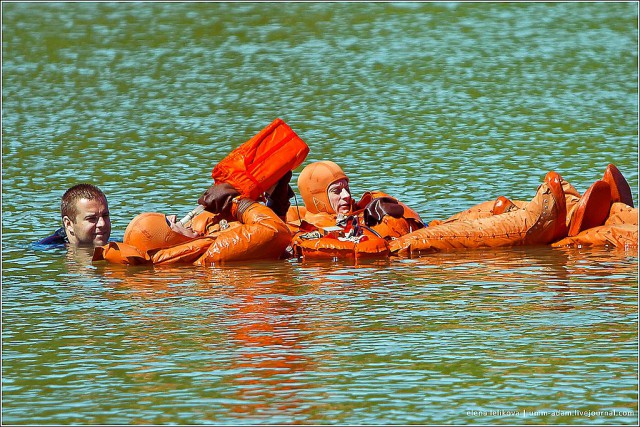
542 221
620 189
592 209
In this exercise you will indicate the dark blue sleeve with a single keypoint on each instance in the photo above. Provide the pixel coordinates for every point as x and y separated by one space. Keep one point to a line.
57 238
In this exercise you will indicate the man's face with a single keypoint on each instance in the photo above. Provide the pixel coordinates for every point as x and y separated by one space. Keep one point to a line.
340 196
91 226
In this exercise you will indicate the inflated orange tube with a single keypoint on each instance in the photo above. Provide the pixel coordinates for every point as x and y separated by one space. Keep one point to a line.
258 164
331 247
540 222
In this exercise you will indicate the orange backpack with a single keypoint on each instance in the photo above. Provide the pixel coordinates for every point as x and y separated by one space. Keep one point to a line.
259 163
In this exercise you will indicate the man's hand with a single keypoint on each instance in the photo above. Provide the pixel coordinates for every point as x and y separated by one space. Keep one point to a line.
179 228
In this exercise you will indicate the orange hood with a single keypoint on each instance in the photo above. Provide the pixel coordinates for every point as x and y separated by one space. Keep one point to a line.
313 182
150 230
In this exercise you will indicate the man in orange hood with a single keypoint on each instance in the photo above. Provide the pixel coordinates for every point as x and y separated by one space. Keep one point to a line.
324 187
328 204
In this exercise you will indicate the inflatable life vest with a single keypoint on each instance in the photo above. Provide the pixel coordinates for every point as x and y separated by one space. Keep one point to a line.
258 164
352 240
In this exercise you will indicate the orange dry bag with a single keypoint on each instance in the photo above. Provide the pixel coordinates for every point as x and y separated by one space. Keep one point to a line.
259 163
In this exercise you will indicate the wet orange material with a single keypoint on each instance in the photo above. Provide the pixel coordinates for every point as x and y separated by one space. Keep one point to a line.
482 210
620 189
260 234
502 205
621 213
541 221
331 247
259 163
150 230
391 227
592 209
622 236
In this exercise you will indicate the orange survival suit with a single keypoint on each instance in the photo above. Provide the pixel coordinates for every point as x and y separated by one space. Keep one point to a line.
258 233
602 216
366 230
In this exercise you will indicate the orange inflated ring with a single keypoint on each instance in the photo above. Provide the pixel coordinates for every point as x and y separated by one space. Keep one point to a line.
332 248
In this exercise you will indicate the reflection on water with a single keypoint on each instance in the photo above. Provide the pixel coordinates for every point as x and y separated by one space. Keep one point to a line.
524 328
442 105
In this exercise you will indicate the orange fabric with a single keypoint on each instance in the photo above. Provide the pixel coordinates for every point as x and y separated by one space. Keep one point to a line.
572 197
262 235
259 235
313 182
537 223
389 227
622 236
502 205
150 230
483 210
259 163
329 246
332 247
621 213
296 213
120 253
409 213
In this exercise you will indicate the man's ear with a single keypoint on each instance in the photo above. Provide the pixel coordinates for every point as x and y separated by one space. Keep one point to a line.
68 225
